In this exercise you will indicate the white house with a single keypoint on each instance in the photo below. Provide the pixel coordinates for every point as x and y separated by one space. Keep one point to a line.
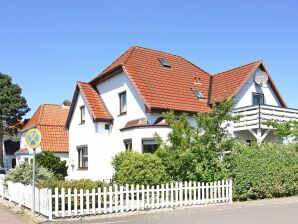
121 108
50 120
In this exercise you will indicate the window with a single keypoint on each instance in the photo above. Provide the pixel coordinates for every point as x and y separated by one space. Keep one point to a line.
82 109
257 98
107 127
164 62
123 105
149 146
83 157
198 94
128 144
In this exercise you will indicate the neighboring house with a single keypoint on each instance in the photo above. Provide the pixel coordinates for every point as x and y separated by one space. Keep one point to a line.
50 120
121 108
11 145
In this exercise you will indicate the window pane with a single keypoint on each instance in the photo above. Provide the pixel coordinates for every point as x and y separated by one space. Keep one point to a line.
123 102
149 146
83 157
258 99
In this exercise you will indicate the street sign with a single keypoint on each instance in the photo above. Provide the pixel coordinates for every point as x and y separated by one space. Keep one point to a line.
33 138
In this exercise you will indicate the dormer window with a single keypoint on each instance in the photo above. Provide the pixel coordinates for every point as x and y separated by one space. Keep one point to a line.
123 103
82 111
198 93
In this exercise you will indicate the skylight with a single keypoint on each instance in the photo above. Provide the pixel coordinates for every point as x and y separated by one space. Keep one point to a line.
164 62
198 94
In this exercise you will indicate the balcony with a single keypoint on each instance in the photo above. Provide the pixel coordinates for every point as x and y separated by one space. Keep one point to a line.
253 117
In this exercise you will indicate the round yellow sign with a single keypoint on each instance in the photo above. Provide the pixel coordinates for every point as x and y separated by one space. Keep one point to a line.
33 138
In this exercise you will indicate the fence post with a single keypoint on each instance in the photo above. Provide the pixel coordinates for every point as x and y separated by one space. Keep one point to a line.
147 196
167 195
105 200
138 197
50 208
132 197
111 198
69 201
230 191
56 202
127 197
157 197
116 197
172 194
181 194
75 202
177 194
81 202
87 202
121 199
93 201
99 200
162 196
152 197
143 197
185 193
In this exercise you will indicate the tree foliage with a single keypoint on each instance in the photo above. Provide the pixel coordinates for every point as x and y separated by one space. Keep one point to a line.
52 163
288 129
13 107
192 153
135 168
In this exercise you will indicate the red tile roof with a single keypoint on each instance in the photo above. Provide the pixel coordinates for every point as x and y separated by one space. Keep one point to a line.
22 151
160 87
228 83
50 119
171 88
94 101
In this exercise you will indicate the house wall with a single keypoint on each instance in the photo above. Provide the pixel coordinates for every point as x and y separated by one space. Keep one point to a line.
244 97
104 144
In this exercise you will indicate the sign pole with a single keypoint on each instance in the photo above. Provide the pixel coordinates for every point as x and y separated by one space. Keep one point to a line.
33 184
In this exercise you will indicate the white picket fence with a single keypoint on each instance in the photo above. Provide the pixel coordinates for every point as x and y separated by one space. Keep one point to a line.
115 199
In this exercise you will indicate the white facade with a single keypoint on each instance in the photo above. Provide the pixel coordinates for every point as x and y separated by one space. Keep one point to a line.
103 143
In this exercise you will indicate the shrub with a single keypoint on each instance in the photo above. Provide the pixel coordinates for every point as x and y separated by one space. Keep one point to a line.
52 163
266 171
136 168
22 173
84 184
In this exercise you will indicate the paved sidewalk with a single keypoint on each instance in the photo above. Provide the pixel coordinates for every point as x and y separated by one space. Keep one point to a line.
7 216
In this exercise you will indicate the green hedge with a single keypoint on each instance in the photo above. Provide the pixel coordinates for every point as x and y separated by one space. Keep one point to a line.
84 184
135 168
263 172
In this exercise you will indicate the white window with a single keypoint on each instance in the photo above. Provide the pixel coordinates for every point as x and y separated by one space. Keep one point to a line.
82 110
123 103
128 144
83 157
149 146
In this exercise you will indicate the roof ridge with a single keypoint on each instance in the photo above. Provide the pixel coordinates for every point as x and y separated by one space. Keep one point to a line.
241 66
150 49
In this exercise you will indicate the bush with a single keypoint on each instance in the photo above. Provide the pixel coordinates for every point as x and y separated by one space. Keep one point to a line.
84 184
136 168
266 171
52 163
22 173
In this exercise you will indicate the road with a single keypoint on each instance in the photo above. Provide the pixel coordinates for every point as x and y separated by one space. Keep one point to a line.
274 211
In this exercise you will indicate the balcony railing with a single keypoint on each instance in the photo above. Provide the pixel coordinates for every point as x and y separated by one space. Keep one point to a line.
252 117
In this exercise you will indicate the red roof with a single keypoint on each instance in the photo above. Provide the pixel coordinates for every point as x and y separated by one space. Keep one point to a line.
170 88
94 101
160 87
50 119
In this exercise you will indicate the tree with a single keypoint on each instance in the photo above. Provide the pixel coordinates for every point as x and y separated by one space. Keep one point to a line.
13 107
52 163
288 129
192 153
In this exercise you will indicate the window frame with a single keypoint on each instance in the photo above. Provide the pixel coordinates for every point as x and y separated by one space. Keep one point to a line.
121 112
127 142
83 116
258 94
80 157
148 139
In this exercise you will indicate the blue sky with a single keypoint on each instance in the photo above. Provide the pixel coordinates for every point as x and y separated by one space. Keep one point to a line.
46 46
